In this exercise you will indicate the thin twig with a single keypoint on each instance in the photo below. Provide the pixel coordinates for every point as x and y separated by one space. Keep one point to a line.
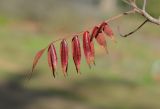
120 15
130 33
144 5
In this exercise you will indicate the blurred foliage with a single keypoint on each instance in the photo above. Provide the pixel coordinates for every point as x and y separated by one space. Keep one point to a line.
41 9
47 10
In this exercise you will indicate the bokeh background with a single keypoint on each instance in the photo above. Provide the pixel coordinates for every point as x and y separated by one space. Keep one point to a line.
127 78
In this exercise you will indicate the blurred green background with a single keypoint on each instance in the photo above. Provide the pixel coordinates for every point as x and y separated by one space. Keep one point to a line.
127 78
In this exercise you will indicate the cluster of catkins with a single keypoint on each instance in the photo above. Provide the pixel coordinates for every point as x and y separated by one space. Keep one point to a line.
88 48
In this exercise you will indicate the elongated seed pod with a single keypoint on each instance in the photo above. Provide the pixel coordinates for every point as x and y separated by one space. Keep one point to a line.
64 56
76 52
52 58
102 41
97 29
107 30
87 47
94 33
98 35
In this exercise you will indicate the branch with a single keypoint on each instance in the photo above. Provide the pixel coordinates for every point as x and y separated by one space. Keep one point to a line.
132 32
143 12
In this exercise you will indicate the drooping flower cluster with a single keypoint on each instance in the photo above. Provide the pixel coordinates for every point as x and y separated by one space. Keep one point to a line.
88 48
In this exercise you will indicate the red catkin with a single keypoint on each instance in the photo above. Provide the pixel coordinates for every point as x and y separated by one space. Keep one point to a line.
87 47
76 52
64 56
52 58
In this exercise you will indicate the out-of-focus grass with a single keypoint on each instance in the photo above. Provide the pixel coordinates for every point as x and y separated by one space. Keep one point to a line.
120 80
